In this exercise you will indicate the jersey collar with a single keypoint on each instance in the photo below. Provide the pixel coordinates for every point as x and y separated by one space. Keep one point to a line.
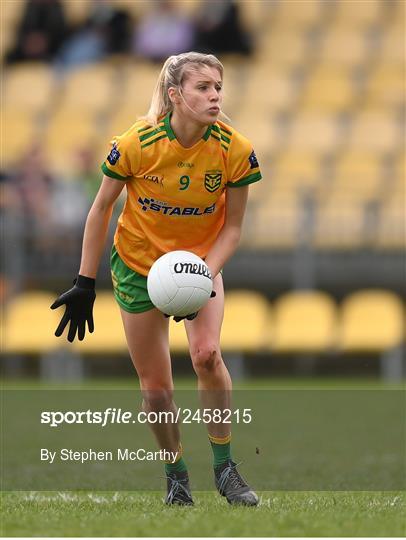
172 136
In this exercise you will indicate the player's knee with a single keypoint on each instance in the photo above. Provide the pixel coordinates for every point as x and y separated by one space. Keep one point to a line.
157 399
206 358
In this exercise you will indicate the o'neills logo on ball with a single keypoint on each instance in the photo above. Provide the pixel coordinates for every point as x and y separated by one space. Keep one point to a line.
190 268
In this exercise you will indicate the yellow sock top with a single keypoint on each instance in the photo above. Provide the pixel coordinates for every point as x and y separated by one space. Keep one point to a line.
220 440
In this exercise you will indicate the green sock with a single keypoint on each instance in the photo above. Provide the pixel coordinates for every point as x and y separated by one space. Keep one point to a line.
221 449
179 465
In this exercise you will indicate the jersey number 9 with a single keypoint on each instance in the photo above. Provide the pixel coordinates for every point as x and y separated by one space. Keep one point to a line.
184 182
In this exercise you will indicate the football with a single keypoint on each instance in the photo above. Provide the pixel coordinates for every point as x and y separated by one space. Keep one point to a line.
179 283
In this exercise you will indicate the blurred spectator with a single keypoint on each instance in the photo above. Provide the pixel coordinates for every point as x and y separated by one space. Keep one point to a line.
87 44
107 30
53 209
117 24
8 205
40 33
219 29
31 189
87 175
163 31
8 199
69 208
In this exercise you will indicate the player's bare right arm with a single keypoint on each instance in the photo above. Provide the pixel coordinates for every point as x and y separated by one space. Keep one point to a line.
97 223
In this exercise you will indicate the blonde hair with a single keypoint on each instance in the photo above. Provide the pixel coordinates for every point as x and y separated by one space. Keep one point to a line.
173 74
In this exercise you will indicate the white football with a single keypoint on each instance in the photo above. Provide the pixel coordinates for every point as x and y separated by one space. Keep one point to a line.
179 283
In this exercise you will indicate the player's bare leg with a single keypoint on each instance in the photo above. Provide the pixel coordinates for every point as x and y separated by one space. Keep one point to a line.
214 383
147 339
148 343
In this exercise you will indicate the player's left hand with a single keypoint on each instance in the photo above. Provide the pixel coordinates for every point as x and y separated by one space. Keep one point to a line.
192 315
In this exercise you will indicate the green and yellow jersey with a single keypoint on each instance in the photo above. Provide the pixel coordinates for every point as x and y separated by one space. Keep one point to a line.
175 195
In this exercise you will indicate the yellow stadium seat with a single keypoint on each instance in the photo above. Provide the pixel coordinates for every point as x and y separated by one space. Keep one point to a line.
400 166
391 223
395 189
11 13
353 188
123 119
293 180
277 222
292 184
248 230
398 12
358 14
269 90
284 48
343 47
7 36
399 185
263 133
254 15
19 132
355 163
89 89
247 322
328 89
29 324
305 322
136 80
138 85
68 132
386 86
314 132
77 11
235 73
375 132
245 325
28 87
297 162
298 14
108 336
339 224
392 49
371 321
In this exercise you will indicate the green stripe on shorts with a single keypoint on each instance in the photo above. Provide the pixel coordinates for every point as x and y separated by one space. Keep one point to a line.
130 288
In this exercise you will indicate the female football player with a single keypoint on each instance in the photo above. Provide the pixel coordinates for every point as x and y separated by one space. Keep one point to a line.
187 175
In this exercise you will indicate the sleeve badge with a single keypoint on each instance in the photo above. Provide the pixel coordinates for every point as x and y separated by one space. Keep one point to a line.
114 155
253 160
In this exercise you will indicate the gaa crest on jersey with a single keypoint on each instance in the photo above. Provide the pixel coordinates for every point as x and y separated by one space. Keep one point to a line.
253 160
212 180
114 155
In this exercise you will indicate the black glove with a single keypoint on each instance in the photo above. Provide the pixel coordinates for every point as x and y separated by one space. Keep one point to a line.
79 302
192 315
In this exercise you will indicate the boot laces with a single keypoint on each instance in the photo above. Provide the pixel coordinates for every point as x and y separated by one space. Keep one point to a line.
230 475
177 488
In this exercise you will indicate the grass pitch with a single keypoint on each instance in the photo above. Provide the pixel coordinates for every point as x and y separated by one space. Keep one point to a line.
143 514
